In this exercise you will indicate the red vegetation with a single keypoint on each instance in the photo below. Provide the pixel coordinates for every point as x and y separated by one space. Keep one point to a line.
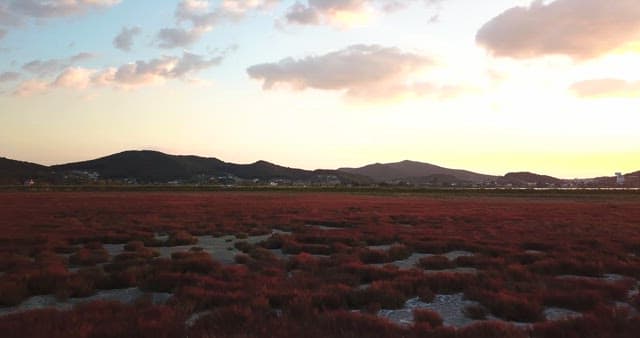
490 330
311 281
427 316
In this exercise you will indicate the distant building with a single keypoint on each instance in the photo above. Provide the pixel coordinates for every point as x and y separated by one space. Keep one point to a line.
619 179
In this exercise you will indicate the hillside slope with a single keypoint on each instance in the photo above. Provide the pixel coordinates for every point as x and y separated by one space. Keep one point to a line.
409 170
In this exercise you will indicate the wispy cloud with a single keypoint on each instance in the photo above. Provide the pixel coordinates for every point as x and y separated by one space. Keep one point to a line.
57 8
48 67
31 87
343 12
580 29
199 18
16 13
128 76
9 76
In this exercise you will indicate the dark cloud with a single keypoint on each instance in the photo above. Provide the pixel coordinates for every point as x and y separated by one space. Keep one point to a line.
580 29
365 71
124 40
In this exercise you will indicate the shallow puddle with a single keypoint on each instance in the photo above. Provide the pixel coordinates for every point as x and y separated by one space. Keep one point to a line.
449 307
126 296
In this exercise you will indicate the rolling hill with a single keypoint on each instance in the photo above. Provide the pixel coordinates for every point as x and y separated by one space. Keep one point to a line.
145 166
16 172
154 166
412 171
521 179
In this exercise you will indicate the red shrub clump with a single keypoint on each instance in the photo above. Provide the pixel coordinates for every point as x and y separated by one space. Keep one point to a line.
427 316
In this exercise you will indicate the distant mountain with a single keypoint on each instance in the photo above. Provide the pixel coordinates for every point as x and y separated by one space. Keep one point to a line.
153 166
529 179
412 171
16 172
145 166
148 166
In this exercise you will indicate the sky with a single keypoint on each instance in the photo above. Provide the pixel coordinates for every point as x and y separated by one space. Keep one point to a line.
496 86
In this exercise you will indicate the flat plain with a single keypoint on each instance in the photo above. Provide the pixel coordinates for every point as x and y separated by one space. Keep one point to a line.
319 264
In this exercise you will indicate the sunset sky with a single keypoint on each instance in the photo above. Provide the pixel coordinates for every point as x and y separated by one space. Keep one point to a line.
490 86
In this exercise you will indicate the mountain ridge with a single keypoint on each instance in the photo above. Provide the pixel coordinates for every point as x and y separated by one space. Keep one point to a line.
408 169
148 166
154 166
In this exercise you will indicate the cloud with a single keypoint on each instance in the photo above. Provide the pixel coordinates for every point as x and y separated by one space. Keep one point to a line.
179 37
31 87
76 78
603 88
3 33
580 29
7 18
124 40
343 12
238 8
48 67
360 71
9 76
200 18
57 8
159 70
127 76
15 13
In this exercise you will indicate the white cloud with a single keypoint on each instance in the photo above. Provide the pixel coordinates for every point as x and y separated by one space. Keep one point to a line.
75 78
343 12
31 87
580 29
127 76
200 18
607 88
359 71
238 8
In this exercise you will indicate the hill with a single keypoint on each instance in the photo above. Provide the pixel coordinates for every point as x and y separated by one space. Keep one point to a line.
16 172
145 166
411 170
524 179
152 166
